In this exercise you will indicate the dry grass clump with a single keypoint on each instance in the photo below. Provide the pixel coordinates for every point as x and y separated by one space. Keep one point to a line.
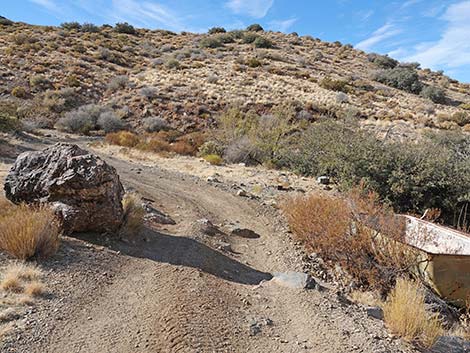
335 229
405 314
133 215
22 278
213 159
162 142
26 231
122 138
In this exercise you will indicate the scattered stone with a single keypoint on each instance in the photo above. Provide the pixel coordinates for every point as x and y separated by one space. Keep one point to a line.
323 180
225 247
375 312
244 233
84 190
242 193
156 216
297 280
255 328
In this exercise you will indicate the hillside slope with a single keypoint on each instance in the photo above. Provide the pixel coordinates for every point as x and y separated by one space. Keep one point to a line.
188 78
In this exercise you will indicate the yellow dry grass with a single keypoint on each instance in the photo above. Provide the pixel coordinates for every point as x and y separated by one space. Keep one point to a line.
405 314
26 231
133 215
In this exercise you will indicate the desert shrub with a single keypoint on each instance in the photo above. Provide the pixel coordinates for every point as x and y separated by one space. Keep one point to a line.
210 42
342 97
412 177
71 25
118 82
249 37
109 122
213 159
155 124
61 100
210 147
39 81
90 28
22 278
124 27
405 314
465 106
72 81
460 118
329 226
215 30
134 212
334 85
226 38
19 92
382 61
149 92
82 120
255 28
262 42
435 94
27 232
9 117
123 138
405 79
172 64
253 62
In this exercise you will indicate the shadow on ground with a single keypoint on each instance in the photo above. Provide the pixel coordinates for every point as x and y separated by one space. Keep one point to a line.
185 251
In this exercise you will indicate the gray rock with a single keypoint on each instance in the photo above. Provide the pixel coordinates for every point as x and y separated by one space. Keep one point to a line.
450 344
84 190
156 216
244 233
375 312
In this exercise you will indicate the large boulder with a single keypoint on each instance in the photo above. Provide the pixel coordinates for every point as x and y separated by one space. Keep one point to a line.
83 189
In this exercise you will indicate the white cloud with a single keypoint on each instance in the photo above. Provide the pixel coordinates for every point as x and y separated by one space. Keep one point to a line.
145 13
253 8
386 31
452 50
47 4
282 25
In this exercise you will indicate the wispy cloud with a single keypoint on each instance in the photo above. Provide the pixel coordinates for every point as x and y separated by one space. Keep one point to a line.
253 8
282 25
47 4
145 13
410 3
386 31
452 50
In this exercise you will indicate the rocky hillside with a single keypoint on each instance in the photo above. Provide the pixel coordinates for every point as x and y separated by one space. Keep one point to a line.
187 79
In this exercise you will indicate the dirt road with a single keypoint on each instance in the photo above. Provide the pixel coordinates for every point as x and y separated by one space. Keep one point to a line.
174 288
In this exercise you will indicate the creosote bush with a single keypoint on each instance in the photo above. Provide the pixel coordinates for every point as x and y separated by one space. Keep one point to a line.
255 28
403 78
405 314
435 94
27 232
124 27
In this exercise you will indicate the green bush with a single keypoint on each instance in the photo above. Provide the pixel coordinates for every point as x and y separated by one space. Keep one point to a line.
71 25
255 28
434 173
90 28
249 37
210 42
436 94
382 61
262 42
405 79
39 82
215 30
124 27
226 38
254 62
5 21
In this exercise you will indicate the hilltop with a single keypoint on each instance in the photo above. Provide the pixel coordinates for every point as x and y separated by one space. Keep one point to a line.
188 79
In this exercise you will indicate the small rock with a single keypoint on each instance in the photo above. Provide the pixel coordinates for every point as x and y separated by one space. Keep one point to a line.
244 233
375 312
242 193
323 180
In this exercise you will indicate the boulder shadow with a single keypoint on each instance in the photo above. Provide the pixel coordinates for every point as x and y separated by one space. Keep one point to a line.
188 252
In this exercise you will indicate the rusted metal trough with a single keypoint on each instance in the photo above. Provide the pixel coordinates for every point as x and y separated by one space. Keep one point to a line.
444 258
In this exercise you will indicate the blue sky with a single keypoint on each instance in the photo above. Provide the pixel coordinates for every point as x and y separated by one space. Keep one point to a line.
433 32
